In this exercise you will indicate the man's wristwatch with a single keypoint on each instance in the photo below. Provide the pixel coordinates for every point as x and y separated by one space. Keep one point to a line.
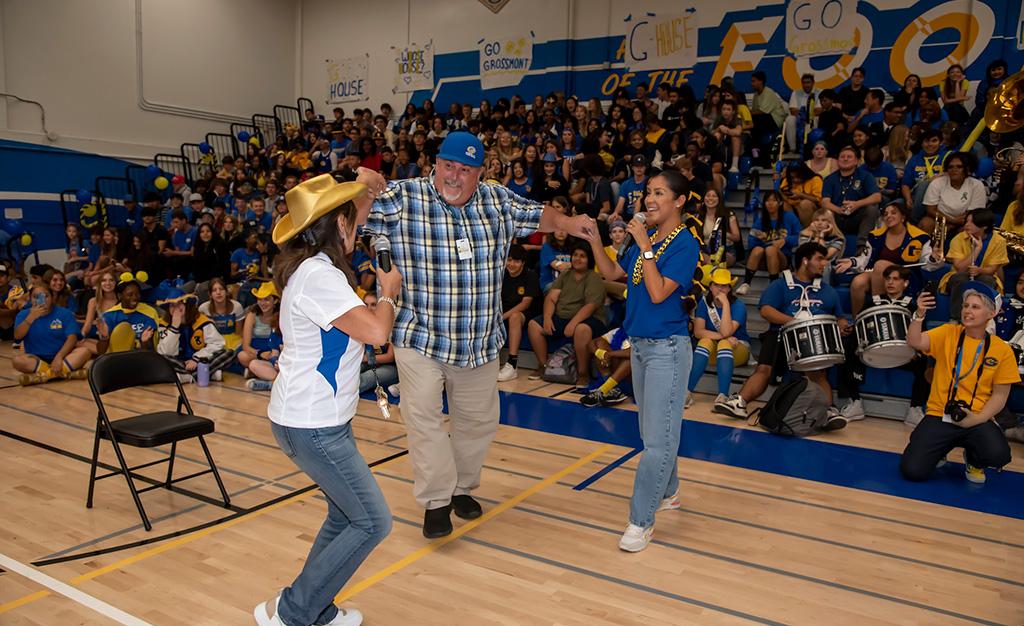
648 255
918 316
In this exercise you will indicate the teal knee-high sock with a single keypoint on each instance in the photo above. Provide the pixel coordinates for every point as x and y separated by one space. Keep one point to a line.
700 361
724 365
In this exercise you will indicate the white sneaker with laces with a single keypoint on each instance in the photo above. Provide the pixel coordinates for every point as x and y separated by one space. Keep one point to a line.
507 372
266 613
733 407
721 398
742 289
670 503
853 411
635 538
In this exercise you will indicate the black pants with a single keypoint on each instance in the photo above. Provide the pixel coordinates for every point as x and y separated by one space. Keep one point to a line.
984 446
852 372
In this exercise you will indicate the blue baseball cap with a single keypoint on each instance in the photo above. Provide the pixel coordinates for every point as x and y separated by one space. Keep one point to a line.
462 147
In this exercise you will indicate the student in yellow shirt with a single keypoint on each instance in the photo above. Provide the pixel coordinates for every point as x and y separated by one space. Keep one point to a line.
973 373
976 254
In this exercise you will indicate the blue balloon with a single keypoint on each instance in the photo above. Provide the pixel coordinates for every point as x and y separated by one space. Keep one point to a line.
243 136
745 164
83 196
815 136
153 170
205 148
985 167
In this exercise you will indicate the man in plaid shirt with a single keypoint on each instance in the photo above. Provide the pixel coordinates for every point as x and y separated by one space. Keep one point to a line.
450 234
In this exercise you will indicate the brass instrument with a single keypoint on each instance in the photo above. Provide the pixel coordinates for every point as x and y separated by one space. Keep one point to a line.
1004 113
1014 241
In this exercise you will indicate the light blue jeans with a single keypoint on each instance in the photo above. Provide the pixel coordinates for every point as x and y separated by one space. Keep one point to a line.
357 519
661 369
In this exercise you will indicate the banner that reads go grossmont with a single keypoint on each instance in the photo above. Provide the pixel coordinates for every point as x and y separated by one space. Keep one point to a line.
505 60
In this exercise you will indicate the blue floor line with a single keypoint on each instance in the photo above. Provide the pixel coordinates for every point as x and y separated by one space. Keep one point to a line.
820 461
606 469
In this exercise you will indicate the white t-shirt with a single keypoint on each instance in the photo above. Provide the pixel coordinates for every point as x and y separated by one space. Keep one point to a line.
799 98
955 202
318 383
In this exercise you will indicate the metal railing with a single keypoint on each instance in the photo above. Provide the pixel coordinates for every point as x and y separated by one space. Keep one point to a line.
288 115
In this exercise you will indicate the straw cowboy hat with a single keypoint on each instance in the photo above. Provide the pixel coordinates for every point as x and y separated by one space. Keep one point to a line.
312 199
722 276
266 290
175 296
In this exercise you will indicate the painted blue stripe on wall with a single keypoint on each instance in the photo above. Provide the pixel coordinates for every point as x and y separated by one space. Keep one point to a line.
819 461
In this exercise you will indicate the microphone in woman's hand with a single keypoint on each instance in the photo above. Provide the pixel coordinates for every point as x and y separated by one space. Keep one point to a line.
628 241
382 247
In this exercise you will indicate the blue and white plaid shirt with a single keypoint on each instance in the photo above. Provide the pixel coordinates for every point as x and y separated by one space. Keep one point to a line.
450 310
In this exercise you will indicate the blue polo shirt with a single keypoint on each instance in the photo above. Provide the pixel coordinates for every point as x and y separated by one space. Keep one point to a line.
658 321
856 186
182 240
265 222
737 310
886 176
782 298
46 335
243 258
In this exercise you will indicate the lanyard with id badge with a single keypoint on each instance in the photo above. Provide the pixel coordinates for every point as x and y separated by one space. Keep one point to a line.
462 247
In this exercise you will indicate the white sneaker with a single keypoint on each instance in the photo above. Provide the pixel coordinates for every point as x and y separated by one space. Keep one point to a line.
266 613
733 407
507 372
217 376
853 411
635 538
689 400
721 398
346 617
742 289
394 390
914 416
670 503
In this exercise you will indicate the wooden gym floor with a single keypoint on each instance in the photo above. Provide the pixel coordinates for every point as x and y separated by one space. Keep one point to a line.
771 531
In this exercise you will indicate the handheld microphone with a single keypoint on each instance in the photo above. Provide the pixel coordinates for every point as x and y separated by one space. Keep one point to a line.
628 241
382 247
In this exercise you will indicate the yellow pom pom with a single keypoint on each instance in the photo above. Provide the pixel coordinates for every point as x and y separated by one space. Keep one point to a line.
124 276
26 240
141 276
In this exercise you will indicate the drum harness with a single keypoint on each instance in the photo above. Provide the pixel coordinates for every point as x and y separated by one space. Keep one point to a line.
805 301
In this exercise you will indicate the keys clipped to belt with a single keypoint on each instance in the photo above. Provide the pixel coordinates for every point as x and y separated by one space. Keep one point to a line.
382 397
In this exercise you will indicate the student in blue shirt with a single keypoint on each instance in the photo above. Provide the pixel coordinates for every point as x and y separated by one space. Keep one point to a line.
884 172
631 190
780 304
258 214
245 261
659 272
178 255
852 195
132 324
720 325
49 334
773 236
921 168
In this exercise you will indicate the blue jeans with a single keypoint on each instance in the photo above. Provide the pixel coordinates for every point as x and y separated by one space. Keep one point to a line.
357 519
661 368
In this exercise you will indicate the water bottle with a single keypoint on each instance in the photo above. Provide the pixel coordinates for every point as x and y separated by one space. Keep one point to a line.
203 374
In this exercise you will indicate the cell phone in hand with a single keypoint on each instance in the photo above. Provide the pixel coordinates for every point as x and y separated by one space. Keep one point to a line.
931 288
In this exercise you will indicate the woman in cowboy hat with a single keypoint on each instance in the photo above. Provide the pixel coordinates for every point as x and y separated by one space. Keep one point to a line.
720 325
315 396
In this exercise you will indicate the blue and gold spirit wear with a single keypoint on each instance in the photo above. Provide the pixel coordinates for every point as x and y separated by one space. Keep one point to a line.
46 335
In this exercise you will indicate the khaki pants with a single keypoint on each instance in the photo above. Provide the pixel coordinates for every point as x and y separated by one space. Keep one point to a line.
444 466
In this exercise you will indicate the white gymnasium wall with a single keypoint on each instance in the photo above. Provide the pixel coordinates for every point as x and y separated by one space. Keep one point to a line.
203 63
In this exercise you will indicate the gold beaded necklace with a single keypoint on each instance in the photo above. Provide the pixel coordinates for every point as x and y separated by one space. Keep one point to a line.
638 268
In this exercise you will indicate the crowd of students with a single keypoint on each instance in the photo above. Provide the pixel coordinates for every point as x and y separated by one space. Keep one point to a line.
868 177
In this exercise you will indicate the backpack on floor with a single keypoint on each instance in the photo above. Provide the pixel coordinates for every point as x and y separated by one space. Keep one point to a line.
561 366
796 409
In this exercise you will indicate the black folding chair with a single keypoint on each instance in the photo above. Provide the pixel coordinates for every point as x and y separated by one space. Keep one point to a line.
122 370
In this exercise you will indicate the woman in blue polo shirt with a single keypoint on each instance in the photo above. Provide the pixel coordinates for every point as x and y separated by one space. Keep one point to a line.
49 334
659 272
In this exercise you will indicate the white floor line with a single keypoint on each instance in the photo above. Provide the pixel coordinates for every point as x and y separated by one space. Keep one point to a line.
68 591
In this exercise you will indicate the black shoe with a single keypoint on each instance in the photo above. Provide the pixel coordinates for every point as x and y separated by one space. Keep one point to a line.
466 507
594 398
437 522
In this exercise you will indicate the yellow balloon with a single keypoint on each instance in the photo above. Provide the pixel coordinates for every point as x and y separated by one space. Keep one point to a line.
26 240
160 182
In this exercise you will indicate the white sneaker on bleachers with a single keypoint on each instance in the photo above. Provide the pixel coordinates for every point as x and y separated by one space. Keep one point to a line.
742 289
853 411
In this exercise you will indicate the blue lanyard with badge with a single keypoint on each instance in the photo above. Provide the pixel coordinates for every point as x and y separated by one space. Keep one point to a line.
956 410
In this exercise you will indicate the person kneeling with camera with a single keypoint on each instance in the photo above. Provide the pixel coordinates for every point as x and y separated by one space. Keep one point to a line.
973 373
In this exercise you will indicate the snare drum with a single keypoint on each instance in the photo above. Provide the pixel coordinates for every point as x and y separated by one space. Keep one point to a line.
813 344
882 336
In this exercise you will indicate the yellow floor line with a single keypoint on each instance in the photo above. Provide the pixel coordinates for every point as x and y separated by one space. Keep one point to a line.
436 545
176 543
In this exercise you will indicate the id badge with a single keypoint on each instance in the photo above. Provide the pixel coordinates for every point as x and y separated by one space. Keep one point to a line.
465 251
382 403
